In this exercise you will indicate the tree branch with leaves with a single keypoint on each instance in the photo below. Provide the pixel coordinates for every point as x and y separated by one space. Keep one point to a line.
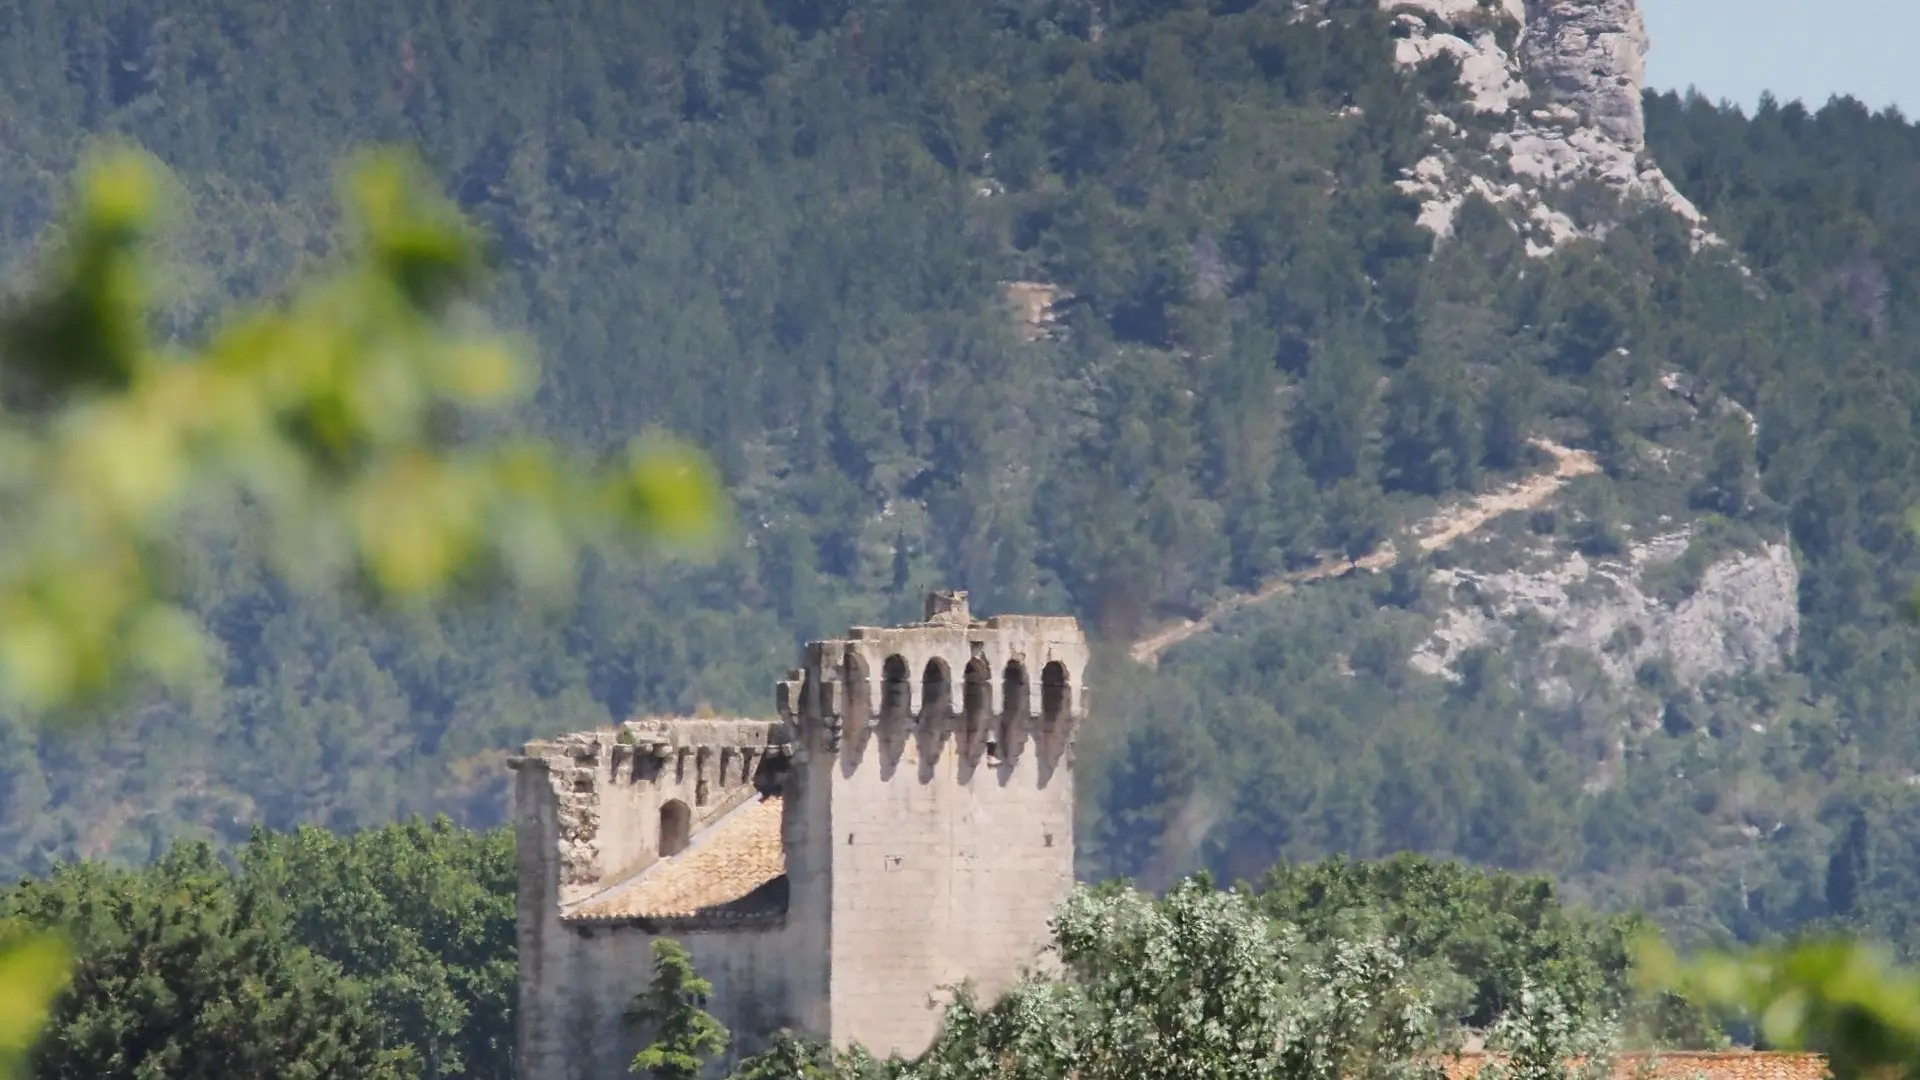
342 416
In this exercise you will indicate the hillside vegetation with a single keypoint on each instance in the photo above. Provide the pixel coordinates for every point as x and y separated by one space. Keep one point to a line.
783 229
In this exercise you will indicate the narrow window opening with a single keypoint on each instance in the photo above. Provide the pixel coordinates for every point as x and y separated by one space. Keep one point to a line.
676 824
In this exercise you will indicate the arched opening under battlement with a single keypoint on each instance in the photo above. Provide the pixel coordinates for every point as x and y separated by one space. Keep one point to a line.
1056 693
1015 695
676 827
854 684
936 690
1015 698
896 690
977 693
976 705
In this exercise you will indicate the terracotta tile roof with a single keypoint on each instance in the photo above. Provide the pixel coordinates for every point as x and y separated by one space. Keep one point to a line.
733 868
1686 1064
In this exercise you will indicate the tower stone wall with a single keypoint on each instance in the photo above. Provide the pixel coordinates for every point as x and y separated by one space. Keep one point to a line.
945 752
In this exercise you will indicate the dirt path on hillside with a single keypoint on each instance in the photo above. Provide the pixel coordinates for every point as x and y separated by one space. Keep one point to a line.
1436 532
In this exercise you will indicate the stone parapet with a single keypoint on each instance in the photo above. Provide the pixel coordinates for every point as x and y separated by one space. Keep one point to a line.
609 786
992 683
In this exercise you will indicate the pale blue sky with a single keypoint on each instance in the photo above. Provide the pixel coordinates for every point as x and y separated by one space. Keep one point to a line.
1806 49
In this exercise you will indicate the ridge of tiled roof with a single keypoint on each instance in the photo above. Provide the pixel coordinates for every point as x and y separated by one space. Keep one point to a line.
731 871
1683 1065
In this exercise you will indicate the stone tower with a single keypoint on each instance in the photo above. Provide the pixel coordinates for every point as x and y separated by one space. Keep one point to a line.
905 825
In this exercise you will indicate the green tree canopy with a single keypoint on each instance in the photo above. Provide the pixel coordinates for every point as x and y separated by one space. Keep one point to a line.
180 973
396 944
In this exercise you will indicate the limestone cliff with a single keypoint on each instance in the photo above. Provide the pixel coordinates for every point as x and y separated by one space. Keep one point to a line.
1591 55
1567 75
1741 616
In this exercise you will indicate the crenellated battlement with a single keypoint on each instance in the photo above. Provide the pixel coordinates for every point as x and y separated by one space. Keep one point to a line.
993 684
624 796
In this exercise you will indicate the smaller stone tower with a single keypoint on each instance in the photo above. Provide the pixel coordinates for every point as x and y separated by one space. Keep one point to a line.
905 825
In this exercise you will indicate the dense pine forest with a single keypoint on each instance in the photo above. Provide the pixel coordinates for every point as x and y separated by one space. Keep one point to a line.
782 229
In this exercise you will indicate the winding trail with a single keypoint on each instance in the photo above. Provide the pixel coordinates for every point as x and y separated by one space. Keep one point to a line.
1436 532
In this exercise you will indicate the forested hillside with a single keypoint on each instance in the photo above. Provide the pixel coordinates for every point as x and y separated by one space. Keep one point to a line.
783 229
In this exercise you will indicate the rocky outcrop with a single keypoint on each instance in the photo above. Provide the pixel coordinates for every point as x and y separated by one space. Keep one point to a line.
1742 616
1487 72
1591 54
1571 83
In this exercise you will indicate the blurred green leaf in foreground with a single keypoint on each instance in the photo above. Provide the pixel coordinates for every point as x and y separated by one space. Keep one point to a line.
341 416
32 971
1838 997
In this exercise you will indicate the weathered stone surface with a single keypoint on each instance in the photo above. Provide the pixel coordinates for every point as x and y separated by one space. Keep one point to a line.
1588 57
1743 617
1592 55
608 787
1486 70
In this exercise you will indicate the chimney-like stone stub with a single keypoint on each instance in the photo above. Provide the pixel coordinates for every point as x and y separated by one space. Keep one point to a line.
948 608
971 668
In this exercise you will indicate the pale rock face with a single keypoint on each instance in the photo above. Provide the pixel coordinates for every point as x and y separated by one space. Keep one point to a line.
1744 617
1589 56
1485 68
1455 10
1592 52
